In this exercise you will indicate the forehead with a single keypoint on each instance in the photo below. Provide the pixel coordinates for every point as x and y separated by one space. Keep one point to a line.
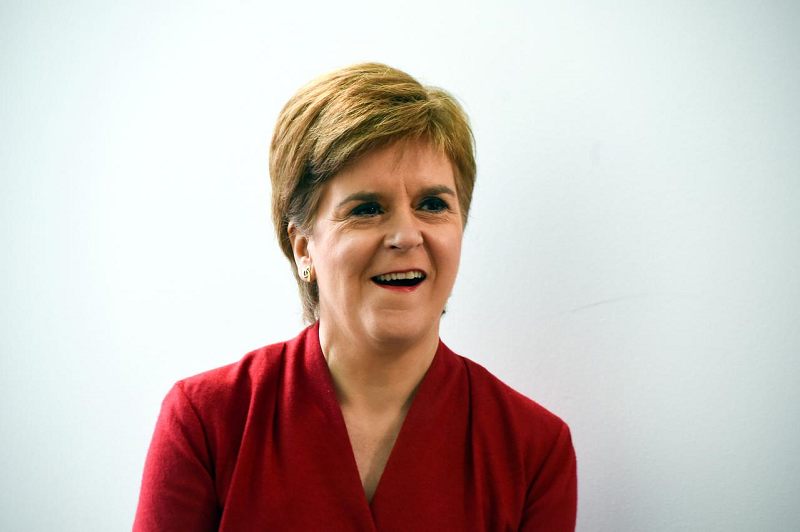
408 164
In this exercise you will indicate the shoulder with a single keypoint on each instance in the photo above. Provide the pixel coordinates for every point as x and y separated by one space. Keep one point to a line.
494 394
222 396
521 423
214 408
234 381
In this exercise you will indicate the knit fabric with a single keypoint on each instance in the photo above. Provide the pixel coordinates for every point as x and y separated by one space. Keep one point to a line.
262 445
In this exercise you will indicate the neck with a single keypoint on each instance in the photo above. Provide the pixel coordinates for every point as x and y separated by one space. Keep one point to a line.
375 378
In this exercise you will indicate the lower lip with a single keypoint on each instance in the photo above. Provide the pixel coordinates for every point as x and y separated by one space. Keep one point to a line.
400 288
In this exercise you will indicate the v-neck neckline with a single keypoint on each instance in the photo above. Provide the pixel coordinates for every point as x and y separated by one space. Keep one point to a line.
342 436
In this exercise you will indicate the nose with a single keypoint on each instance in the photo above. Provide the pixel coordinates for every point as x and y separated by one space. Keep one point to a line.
403 231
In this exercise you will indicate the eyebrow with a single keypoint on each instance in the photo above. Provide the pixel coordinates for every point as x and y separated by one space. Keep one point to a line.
363 195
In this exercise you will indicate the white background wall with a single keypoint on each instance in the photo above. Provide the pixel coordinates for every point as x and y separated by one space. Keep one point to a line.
632 260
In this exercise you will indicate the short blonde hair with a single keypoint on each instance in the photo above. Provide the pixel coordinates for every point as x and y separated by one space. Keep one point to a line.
335 118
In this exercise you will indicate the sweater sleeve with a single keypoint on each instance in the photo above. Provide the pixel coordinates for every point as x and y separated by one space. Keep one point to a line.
552 498
178 490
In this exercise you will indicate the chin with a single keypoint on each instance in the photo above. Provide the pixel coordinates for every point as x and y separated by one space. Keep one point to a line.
396 327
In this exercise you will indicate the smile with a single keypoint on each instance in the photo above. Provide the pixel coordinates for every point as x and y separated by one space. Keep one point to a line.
403 281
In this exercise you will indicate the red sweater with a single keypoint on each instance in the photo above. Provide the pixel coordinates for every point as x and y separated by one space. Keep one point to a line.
262 445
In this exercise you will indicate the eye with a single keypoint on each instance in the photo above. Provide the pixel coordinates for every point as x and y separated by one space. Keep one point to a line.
434 205
367 209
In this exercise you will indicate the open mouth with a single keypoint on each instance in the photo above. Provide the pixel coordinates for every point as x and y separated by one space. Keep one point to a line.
405 279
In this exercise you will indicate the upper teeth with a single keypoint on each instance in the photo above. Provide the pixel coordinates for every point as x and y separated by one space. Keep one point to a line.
395 276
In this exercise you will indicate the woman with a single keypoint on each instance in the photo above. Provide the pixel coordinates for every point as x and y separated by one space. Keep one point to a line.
366 420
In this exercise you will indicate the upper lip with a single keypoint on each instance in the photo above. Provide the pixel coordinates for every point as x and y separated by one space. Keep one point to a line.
405 271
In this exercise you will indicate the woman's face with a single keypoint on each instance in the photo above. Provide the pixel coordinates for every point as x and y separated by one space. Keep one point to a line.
392 210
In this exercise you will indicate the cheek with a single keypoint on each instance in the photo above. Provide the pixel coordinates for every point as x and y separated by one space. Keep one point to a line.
348 259
449 254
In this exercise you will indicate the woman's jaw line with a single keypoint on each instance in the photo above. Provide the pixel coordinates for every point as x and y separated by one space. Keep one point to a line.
381 336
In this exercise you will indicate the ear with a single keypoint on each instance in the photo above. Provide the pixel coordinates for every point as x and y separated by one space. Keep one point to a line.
300 247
